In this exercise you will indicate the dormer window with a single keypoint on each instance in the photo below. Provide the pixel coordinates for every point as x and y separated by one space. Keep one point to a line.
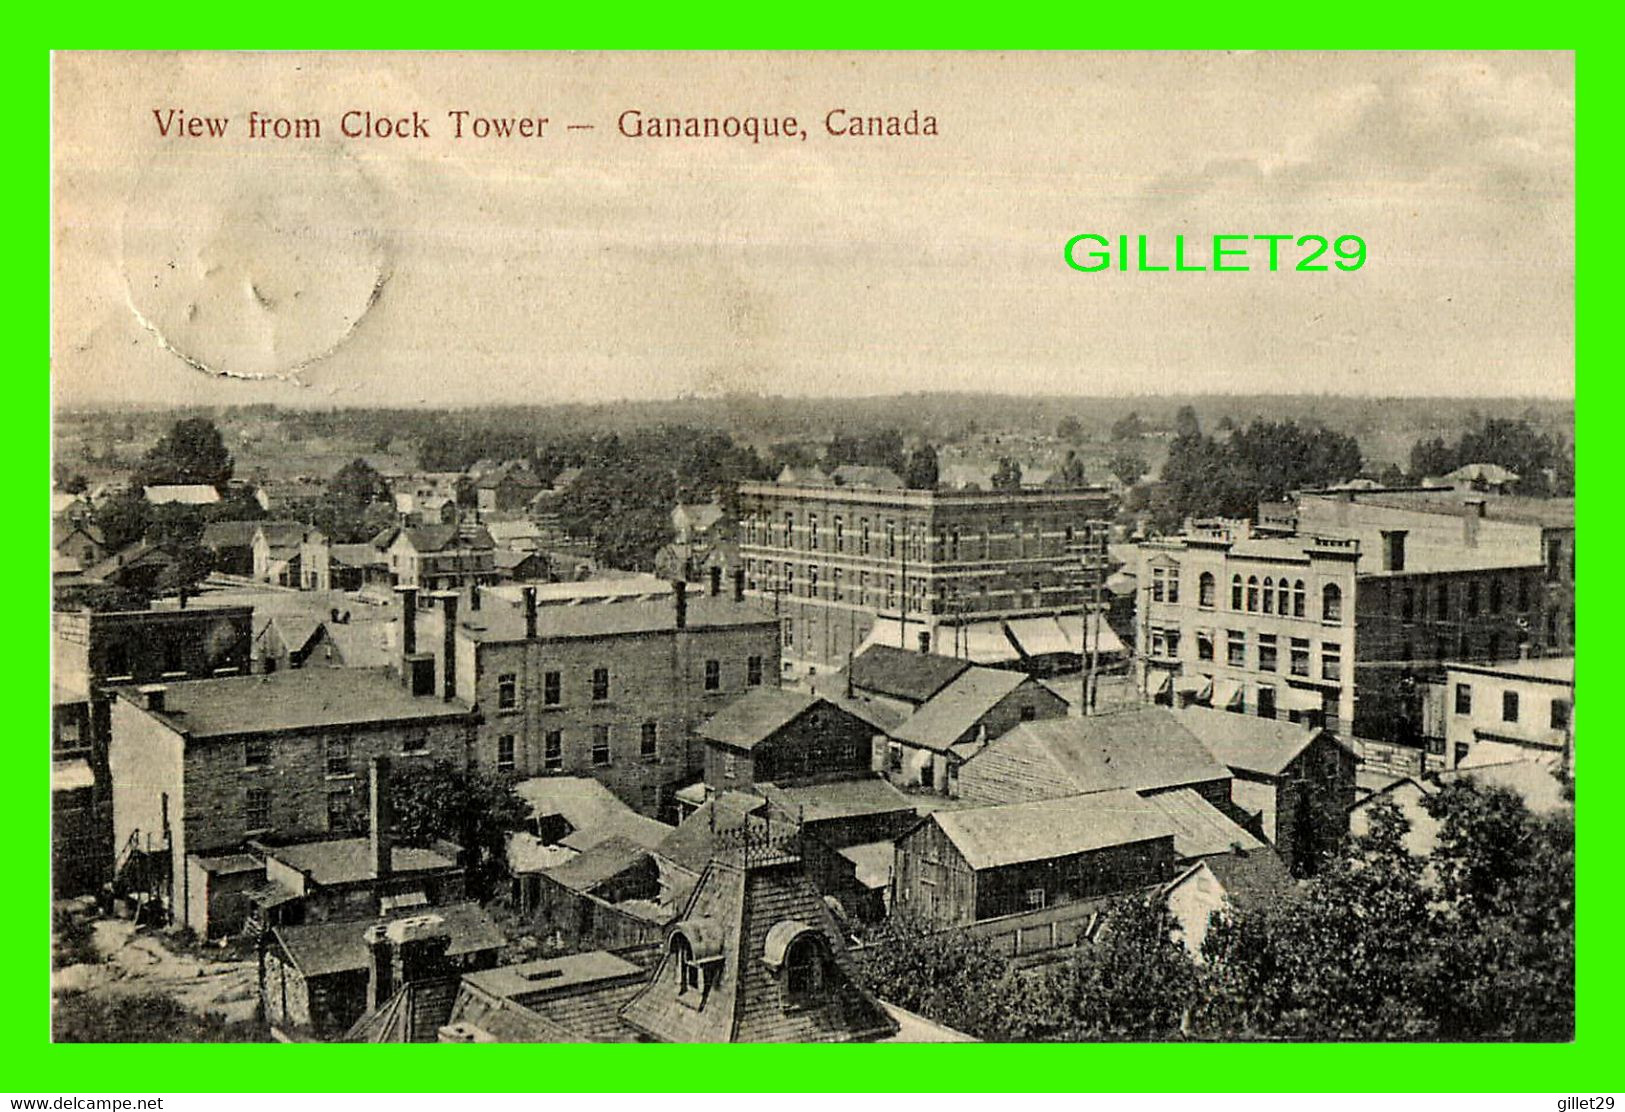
797 953
695 949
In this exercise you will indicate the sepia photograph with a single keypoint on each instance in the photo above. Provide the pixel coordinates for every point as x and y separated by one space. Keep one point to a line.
812 547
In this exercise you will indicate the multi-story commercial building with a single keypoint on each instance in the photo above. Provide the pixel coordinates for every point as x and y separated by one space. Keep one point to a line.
1260 625
200 767
846 564
439 557
612 690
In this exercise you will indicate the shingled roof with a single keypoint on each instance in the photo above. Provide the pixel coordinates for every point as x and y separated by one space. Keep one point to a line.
899 674
1145 749
1244 741
953 712
319 949
1042 830
763 711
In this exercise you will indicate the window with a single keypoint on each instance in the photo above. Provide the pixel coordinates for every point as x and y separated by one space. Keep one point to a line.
340 814
1235 592
1252 594
1266 701
1331 603
600 744
1158 584
1495 596
1237 649
690 974
1441 602
1283 599
1407 605
1300 656
1331 661
789 578
753 671
507 691
600 685
553 750
1205 591
1509 706
174 664
256 752
1269 595
416 740
505 753
840 535
1173 584
1472 599
789 530
1297 599
1523 592
803 969
713 675
789 633
649 741
812 532
67 731
891 538
118 662
1266 652
812 580
552 688
894 757
1037 898
1464 698
835 584
1560 714
863 536
257 809
338 756
1029 713
1554 559
1204 644
730 766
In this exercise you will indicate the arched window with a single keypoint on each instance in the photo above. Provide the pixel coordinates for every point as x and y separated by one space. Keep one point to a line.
803 968
1235 592
1269 595
1252 593
1283 599
689 976
1297 599
1205 590
1331 603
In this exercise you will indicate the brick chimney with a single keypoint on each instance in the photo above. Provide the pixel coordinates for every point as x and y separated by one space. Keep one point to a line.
402 951
1393 549
716 580
448 662
1472 512
152 697
530 613
382 818
679 591
409 619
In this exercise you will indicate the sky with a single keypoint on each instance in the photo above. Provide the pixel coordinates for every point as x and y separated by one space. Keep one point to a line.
591 266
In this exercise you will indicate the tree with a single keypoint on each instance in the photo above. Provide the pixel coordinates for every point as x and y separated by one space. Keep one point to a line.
1128 427
193 452
67 480
944 975
1071 473
346 513
1186 423
358 482
1069 429
922 471
1008 476
474 808
123 519
146 1017
1136 980
1128 465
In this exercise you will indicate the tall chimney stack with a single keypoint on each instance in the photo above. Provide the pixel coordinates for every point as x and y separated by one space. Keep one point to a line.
1393 549
409 619
448 664
530 613
716 580
739 584
680 600
473 597
381 818
1472 512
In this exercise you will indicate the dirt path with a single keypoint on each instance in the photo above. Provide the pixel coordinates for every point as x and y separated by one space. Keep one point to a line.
139 963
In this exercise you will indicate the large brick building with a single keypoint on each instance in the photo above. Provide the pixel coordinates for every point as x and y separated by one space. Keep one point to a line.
846 563
611 690
202 766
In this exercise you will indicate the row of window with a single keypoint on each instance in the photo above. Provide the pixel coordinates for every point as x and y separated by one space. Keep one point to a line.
342 817
1165 643
1252 595
603 752
336 751
1559 714
1417 602
951 545
553 683
881 592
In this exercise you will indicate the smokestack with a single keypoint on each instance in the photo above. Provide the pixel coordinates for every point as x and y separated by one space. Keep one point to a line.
409 619
1393 549
716 580
381 954
473 597
152 696
739 584
1472 512
680 600
448 666
382 818
530 613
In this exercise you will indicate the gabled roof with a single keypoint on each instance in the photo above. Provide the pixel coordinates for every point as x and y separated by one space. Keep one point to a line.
955 710
130 556
347 860
1142 748
438 538
604 861
319 949
281 536
763 711
895 672
1042 830
1200 829
186 494
748 915
1244 741
837 799
414 1013
229 534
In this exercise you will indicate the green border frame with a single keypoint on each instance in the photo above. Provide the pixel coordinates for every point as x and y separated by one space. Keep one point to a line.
34 1066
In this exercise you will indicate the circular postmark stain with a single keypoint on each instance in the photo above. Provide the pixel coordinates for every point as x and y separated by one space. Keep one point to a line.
253 266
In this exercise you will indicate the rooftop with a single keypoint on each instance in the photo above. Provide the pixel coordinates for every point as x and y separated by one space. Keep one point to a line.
837 799
299 699
499 624
1200 829
954 711
550 976
320 949
347 860
1246 741
1555 669
1013 833
901 674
